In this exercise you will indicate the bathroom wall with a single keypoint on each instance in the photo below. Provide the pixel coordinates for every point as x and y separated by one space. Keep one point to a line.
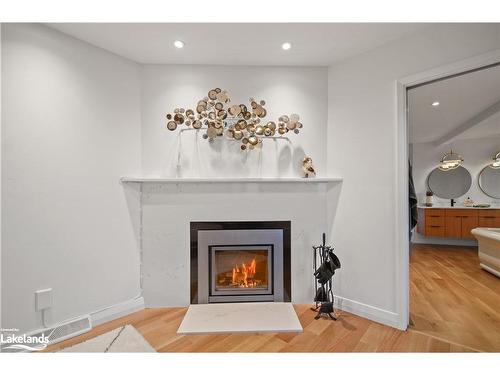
362 147
70 129
286 90
477 153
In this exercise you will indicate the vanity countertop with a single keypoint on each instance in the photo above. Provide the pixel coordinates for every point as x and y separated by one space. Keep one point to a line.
461 206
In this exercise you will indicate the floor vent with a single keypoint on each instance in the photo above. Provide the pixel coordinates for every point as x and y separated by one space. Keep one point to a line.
65 330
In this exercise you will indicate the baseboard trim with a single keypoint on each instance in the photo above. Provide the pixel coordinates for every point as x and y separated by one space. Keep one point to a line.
419 240
117 311
376 314
102 316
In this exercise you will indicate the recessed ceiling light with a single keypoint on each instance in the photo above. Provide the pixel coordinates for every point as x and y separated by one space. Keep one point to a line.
286 46
179 44
435 104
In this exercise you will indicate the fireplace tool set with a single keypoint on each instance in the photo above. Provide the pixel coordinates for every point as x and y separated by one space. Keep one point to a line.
323 279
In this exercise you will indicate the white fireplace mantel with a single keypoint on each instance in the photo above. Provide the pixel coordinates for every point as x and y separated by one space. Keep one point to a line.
164 207
314 180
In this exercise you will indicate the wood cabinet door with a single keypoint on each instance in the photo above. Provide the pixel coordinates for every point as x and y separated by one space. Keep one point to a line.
453 226
469 223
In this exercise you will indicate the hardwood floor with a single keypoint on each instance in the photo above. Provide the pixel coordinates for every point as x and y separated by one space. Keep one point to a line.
451 298
349 334
455 307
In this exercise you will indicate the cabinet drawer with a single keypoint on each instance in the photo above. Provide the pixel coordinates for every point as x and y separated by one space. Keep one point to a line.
487 221
435 230
435 220
489 214
457 212
434 212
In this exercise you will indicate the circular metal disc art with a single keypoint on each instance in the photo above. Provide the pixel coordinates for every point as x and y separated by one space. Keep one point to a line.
237 122
171 125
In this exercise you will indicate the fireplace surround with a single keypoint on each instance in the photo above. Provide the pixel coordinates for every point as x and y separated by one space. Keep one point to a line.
240 261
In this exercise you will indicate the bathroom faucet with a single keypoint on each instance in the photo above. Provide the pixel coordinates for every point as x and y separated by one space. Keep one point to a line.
452 202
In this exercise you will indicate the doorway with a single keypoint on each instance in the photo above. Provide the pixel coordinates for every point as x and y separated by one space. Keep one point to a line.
452 135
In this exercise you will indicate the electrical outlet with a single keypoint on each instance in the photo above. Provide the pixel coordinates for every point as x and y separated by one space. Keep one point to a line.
43 299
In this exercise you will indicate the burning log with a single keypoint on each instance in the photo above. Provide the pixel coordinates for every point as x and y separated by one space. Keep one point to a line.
241 275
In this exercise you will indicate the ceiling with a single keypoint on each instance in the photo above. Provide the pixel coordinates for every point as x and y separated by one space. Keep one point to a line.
318 44
461 99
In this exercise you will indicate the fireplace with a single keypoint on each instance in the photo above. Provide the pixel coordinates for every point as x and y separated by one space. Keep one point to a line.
240 262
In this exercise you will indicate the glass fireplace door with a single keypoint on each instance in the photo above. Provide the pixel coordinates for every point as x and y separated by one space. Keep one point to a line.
241 270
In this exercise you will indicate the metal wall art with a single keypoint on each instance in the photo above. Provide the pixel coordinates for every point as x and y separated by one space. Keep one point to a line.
215 114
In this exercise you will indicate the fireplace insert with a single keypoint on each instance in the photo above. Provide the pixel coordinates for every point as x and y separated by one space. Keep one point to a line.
246 261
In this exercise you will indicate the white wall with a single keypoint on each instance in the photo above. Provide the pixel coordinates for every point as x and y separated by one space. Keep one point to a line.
66 215
362 148
71 128
168 210
286 90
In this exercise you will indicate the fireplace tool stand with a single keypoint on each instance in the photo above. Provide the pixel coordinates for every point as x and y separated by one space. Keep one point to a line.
323 279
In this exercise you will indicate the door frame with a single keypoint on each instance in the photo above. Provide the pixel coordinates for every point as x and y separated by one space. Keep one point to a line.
402 237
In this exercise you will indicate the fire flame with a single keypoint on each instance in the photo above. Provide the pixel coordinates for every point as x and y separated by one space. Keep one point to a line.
243 273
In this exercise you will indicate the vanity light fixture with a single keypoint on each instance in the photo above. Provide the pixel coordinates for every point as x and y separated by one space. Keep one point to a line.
179 44
435 104
286 46
450 160
496 161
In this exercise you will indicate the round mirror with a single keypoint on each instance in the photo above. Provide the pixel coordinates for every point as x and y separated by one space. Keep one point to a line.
449 184
489 181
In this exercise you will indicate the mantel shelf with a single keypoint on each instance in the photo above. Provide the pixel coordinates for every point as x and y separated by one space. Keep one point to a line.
314 180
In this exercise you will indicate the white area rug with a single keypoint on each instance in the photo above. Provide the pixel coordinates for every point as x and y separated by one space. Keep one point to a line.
125 339
254 317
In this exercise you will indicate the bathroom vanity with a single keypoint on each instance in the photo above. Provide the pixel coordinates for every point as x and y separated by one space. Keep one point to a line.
455 222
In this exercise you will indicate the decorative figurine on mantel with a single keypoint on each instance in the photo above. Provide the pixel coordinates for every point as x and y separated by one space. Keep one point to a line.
307 167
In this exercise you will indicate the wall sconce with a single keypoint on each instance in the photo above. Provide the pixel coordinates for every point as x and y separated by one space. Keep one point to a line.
450 160
496 161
